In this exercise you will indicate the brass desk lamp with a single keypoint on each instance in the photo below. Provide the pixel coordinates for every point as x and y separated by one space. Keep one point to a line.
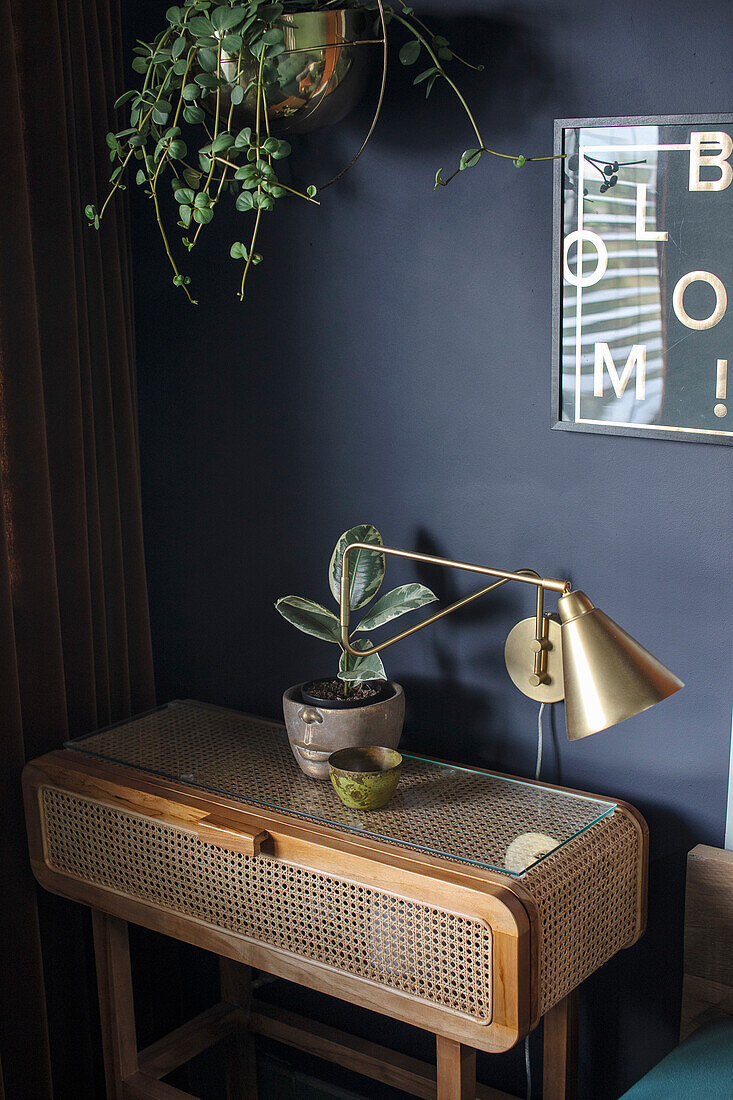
601 672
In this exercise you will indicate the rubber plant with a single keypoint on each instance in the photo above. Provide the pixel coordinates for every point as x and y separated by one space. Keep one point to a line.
366 573
182 122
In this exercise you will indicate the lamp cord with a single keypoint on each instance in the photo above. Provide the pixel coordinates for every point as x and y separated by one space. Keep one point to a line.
528 1068
538 765
537 771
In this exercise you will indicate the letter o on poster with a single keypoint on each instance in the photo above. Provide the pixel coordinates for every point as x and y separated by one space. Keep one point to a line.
721 300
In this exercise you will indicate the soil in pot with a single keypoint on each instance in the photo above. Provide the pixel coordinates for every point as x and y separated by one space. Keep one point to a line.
330 693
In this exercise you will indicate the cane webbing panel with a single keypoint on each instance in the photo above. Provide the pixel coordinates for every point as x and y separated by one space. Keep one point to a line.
437 956
465 815
588 899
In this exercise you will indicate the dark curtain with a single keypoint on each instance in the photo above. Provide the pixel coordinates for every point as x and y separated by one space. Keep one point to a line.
75 648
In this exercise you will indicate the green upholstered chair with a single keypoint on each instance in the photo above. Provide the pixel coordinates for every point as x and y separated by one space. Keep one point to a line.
700 1068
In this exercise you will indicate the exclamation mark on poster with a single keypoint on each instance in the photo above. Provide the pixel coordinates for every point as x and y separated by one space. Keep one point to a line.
721 388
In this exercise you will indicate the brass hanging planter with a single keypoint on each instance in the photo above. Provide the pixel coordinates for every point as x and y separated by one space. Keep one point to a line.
318 78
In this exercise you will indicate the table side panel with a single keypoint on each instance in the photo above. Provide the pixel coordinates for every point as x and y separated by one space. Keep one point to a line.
591 902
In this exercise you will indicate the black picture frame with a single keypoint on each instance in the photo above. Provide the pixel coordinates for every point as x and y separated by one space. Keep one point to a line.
561 129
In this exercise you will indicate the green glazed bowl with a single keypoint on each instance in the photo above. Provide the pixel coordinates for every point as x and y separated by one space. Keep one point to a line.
365 777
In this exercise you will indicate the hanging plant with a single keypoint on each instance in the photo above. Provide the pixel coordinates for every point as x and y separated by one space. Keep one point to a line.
224 79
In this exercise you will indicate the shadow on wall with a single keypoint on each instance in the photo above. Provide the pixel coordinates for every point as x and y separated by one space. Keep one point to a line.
443 714
518 76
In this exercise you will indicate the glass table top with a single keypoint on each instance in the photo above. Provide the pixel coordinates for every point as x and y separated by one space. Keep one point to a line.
457 813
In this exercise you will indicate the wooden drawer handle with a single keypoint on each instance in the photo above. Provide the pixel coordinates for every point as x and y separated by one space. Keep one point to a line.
239 838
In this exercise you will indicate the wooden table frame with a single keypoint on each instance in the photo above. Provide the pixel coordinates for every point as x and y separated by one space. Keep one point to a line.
507 904
136 1075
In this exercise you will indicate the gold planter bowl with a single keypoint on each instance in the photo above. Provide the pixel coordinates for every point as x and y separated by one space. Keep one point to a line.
365 776
320 77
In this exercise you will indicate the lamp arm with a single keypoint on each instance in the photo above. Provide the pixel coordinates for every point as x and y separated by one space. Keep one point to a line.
526 576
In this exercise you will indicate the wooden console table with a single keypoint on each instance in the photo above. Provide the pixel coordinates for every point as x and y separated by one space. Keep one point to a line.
196 822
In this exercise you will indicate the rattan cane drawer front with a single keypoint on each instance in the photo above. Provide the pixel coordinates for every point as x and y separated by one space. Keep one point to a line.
439 957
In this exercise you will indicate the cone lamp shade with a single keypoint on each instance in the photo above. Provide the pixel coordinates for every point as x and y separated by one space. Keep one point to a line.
607 675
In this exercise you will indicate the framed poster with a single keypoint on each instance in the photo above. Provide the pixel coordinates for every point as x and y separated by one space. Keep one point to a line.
643 263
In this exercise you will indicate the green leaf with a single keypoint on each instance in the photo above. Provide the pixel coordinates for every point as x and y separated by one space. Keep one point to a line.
520 161
244 202
173 15
160 117
225 18
429 84
408 597
185 212
410 52
124 98
238 251
193 114
425 74
311 191
237 94
438 40
310 617
268 12
272 36
202 216
140 177
183 195
232 43
270 145
221 142
178 47
243 137
201 201
90 211
192 177
439 181
177 149
180 65
445 54
140 65
208 60
206 80
366 568
283 150
369 667
191 91
469 158
200 26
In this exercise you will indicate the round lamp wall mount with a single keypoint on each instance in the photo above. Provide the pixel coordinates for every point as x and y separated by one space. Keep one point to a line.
584 657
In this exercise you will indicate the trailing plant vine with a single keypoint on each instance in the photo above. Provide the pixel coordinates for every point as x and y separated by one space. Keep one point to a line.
183 120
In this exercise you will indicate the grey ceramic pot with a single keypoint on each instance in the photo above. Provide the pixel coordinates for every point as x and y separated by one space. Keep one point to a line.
316 732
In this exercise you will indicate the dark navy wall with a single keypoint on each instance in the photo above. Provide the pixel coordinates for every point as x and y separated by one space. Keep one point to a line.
391 365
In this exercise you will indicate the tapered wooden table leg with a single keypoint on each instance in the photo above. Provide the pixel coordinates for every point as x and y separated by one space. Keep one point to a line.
560 1065
236 989
456 1070
116 1009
